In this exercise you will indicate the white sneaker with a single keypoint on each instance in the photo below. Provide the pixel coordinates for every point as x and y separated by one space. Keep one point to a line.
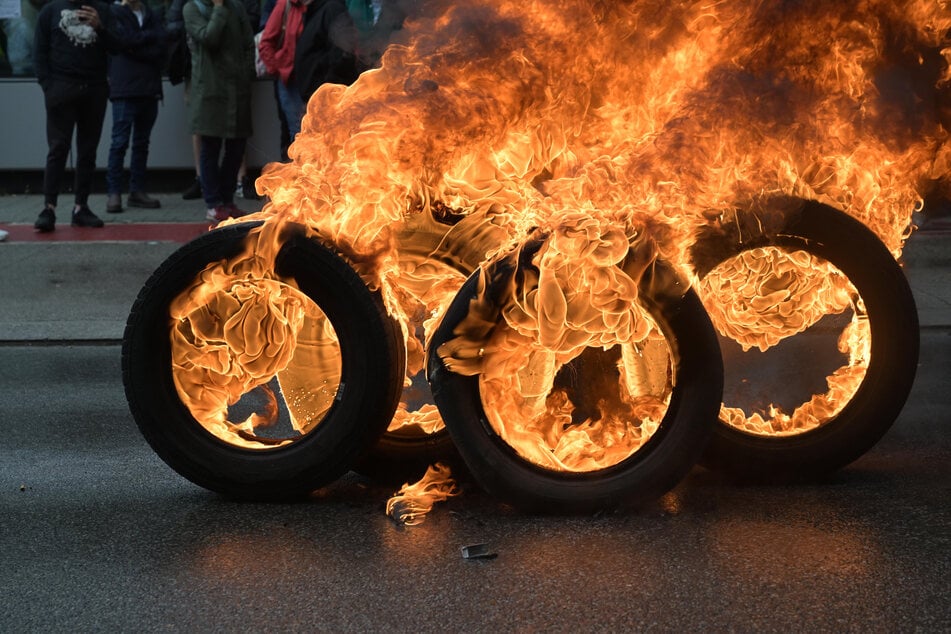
3 235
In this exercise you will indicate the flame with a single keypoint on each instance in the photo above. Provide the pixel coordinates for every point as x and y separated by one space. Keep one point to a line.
413 502
237 328
587 138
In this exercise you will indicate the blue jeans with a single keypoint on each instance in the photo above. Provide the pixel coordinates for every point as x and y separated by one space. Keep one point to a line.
218 179
133 118
292 106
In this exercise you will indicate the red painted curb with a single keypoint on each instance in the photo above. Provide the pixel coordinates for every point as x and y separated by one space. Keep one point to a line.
127 232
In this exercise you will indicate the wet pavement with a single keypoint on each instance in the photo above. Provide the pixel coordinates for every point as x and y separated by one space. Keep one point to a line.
97 534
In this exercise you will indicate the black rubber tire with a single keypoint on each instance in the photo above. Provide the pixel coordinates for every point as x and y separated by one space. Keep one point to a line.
651 471
371 374
396 459
855 250
401 457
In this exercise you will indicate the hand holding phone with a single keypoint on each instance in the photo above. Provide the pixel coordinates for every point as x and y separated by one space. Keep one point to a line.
89 15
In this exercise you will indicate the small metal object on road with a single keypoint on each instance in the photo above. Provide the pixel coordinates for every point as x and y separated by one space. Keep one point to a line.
478 551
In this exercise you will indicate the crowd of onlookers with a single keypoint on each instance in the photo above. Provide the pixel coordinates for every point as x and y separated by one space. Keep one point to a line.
88 53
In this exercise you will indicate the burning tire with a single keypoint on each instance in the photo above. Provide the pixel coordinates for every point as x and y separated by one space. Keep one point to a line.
817 266
685 390
435 258
260 380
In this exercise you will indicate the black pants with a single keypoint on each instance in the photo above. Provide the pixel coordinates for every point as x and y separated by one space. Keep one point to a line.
218 180
72 105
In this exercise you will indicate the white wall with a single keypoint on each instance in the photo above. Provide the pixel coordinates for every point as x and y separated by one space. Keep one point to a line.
23 129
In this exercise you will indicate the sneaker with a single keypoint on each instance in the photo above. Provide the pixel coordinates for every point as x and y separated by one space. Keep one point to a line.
46 221
141 199
225 211
247 189
193 191
217 214
114 204
3 235
234 212
86 218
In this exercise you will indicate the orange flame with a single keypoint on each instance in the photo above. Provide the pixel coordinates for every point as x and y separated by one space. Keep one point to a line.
413 502
609 128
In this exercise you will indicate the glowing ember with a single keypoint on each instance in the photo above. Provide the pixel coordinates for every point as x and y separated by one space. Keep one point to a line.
413 502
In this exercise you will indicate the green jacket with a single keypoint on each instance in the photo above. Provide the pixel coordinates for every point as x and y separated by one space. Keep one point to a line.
222 44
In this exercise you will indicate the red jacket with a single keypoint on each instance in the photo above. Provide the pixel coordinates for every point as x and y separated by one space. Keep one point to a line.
279 41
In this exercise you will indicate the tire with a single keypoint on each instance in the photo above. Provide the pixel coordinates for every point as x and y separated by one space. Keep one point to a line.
653 469
371 352
850 246
458 248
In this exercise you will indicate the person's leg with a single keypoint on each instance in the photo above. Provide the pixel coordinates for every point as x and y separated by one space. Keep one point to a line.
285 131
211 184
88 130
194 190
146 112
196 154
293 108
230 164
60 121
122 118
245 184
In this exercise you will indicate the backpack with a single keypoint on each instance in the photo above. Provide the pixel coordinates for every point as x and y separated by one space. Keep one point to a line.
180 57
179 60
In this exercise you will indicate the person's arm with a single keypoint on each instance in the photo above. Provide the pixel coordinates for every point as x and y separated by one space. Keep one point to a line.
148 43
41 46
145 44
99 16
206 31
271 37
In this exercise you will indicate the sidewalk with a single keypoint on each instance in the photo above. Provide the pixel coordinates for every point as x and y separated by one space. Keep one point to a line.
177 220
78 284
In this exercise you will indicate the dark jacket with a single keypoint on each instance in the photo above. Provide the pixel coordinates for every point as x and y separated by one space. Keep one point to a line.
334 48
219 103
327 48
65 49
136 71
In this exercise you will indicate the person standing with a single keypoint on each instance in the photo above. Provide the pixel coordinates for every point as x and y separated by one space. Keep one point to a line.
175 25
277 47
135 88
70 56
220 99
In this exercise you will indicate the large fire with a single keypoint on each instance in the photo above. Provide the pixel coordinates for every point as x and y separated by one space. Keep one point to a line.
598 129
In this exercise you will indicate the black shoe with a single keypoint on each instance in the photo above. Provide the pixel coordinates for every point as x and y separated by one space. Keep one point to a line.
114 204
247 189
193 191
46 222
141 199
86 218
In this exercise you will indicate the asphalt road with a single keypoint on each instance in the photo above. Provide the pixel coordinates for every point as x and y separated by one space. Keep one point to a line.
97 534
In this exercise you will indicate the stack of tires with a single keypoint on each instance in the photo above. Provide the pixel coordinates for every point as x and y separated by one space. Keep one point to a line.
345 426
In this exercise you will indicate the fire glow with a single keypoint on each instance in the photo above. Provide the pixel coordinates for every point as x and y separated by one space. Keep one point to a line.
614 131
